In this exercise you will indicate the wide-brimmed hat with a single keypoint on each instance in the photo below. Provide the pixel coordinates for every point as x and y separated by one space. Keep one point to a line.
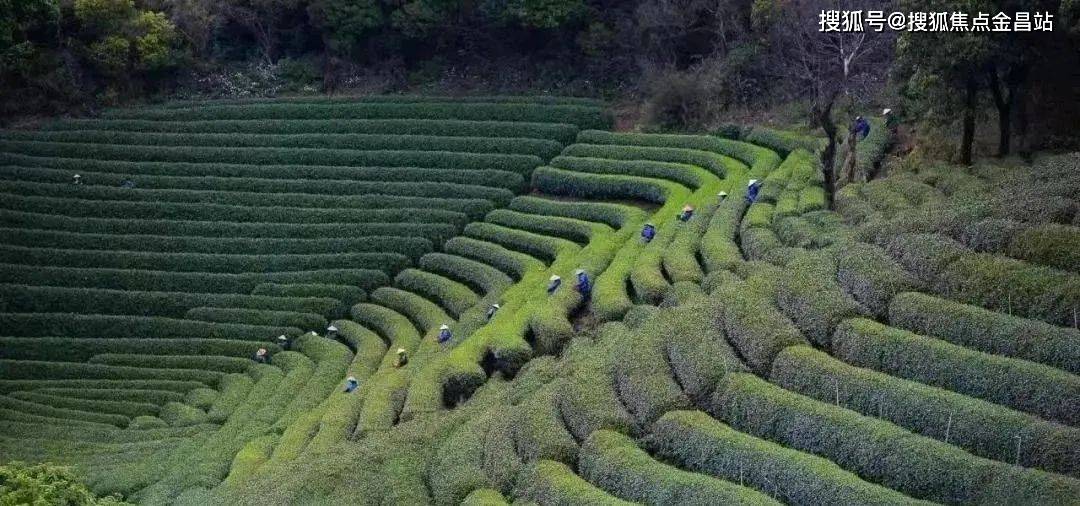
444 327
554 277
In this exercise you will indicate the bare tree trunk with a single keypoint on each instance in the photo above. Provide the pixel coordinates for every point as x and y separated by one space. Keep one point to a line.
1023 142
851 161
828 156
967 137
1003 103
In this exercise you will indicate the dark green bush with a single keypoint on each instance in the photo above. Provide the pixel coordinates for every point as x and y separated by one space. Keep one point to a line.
598 186
210 175
612 215
1034 388
34 408
204 362
521 164
279 265
686 175
563 133
115 407
436 232
348 294
96 326
66 349
982 428
360 142
753 325
542 247
987 331
512 263
761 160
46 299
872 278
300 320
452 296
554 484
571 229
881 452
698 443
613 462
1013 286
480 277
582 116
782 141
809 294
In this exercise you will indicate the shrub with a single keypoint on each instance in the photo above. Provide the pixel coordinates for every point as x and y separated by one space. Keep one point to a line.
571 229
1009 285
423 313
761 160
41 299
1025 386
394 328
871 277
718 248
95 326
811 198
925 255
990 235
484 497
360 142
587 400
695 345
809 294
34 408
436 232
201 398
563 133
662 162
987 331
46 484
553 483
582 116
879 451
201 362
539 432
541 247
754 327
642 376
279 265
240 175
510 262
150 396
783 142
177 414
303 321
599 186
701 444
87 384
612 215
37 370
480 277
348 294
613 462
521 164
687 175
886 198
116 407
452 296
982 428
65 349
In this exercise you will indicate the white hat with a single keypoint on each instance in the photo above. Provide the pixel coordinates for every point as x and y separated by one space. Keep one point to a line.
76 175
401 350
886 111
721 194
351 378
314 333
496 306
579 271
554 277
443 327
331 329
751 182
282 338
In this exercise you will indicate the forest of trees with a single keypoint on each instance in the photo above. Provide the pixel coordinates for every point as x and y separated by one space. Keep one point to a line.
688 61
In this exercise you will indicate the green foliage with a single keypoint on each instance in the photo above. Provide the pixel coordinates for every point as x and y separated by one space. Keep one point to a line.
548 482
979 329
1033 388
915 465
701 444
982 428
612 461
22 483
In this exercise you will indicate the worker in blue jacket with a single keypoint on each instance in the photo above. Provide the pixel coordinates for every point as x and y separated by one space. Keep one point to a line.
584 285
444 334
648 232
752 189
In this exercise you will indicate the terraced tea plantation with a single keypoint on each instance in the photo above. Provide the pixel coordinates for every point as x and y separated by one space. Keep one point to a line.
917 345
